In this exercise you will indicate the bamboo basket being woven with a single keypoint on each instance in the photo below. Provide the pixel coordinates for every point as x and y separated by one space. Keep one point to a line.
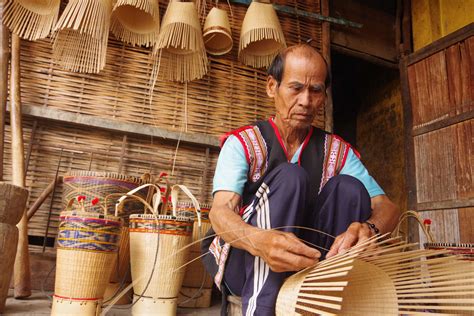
374 278
87 248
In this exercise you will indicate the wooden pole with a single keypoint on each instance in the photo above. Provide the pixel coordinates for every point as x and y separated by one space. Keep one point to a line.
4 57
21 273
39 201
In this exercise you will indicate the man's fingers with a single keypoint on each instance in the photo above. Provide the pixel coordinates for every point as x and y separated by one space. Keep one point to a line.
335 246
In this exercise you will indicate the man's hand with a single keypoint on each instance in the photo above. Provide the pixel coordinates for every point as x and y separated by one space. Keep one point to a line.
282 251
355 234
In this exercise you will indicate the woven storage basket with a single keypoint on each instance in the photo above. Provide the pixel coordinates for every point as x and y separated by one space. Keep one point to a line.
136 21
197 282
87 248
158 253
217 33
261 36
463 250
31 19
102 184
372 279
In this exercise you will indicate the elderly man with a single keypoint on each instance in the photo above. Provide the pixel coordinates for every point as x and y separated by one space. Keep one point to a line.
278 180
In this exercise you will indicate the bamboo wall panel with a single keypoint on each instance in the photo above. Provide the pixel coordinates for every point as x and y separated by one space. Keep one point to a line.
85 149
445 163
450 226
442 85
229 96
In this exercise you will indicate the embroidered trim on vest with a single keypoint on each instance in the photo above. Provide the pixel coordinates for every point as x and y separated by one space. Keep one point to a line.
335 154
255 150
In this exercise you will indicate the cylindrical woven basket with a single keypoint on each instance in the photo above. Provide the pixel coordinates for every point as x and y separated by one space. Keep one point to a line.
31 19
136 21
463 250
87 248
261 36
180 44
170 234
217 33
93 184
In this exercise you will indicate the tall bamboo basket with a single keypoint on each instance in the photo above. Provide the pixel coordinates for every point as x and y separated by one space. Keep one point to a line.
87 247
81 34
217 33
31 19
158 255
261 36
180 48
136 21
12 205
197 284
102 184
374 278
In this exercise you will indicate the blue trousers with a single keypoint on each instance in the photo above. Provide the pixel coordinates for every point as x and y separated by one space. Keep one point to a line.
285 200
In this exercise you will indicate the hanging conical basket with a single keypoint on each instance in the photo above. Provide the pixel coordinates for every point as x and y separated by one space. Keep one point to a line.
376 278
31 19
80 38
217 33
261 36
180 47
136 21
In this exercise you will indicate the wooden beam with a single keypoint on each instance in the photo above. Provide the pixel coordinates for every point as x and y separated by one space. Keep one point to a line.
469 115
39 201
445 205
367 57
442 43
117 126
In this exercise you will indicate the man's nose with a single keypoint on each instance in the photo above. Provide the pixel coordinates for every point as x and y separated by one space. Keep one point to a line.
304 98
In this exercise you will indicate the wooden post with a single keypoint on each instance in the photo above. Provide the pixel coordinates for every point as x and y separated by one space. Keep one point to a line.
4 57
21 273
326 52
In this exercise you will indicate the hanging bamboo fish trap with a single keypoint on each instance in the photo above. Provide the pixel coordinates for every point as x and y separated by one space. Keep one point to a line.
217 33
136 21
261 36
81 34
376 278
180 48
31 19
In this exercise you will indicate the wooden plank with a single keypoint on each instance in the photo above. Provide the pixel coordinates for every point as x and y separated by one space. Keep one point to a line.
115 126
466 225
4 58
444 123
409 143
370 58
440 205
441 44
326 51
376 37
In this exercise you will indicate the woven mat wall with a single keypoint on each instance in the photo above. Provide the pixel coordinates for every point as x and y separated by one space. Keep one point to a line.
230 95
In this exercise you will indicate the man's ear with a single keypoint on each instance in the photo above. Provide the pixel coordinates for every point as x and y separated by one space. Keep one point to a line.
272 85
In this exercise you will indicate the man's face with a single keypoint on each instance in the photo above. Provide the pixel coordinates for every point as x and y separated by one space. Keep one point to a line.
301 91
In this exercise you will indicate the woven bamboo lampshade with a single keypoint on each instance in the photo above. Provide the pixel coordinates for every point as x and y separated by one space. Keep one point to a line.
80 38
217 33
377 278
136 21
261 36
183 55
31 19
